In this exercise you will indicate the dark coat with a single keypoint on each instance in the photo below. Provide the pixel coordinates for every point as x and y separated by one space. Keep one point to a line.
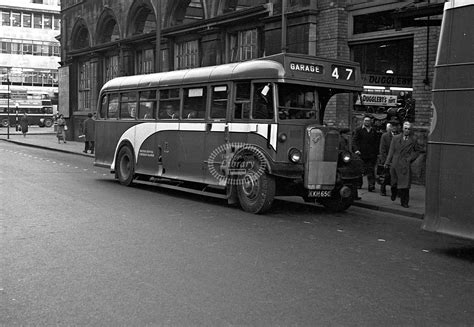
367 143
384 147
400 156
89 129
24 124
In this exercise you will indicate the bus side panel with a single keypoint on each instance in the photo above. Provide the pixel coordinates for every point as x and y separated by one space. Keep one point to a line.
450 172
107 135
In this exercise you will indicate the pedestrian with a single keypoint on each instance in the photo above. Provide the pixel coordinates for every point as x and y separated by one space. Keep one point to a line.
385 140
62 128
365 144
24 124
404 149
89 133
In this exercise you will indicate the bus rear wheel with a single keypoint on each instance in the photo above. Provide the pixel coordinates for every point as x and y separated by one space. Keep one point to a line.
256 192
5 122
48 122
125 166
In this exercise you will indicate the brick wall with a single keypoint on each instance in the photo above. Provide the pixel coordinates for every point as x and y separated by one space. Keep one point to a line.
331 42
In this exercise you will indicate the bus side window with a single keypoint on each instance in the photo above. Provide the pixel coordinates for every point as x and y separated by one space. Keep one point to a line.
112 109
103 107
194 103
147 107
219 102
128 105
242 101
169 104
262 101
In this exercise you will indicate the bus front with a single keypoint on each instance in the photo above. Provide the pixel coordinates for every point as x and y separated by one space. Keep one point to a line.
321 153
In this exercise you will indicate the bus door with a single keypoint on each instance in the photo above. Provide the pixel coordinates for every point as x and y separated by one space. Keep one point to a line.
217 134
192 133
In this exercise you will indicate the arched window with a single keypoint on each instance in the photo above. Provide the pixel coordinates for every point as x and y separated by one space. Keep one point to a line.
80 37
234 5
187 12
143 22
107 29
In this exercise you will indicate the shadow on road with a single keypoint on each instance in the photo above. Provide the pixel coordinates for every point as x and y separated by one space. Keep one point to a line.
464 253
291 211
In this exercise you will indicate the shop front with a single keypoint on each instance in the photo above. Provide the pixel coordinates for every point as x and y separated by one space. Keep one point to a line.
387 70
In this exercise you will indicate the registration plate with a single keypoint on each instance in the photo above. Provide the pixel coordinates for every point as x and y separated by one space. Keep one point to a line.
319 194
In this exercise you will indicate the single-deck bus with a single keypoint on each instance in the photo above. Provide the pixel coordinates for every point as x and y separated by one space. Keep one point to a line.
450 161
248 131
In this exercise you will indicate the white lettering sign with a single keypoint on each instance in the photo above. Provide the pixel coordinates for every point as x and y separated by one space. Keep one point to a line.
378 100
307 68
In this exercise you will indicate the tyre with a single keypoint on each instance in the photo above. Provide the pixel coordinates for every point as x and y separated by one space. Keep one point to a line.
48 122
5 122
125 166
256 189
337 204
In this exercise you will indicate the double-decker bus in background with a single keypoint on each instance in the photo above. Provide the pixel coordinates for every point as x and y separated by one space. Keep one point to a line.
245 131
36 104
450 161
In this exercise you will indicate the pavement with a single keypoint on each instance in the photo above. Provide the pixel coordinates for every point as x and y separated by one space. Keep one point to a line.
45 138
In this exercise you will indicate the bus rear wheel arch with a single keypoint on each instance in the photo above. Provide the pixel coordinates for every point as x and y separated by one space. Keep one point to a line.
125 167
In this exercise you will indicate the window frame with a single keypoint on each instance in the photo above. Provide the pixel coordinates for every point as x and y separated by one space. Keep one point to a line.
212 90
173 99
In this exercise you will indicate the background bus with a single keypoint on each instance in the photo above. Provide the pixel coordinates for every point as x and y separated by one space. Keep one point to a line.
37 105
450 161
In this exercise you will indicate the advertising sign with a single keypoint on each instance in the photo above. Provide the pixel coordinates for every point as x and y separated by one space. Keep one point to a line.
378 100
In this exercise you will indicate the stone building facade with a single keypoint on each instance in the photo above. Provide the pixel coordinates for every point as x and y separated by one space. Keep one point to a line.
29 50
394 41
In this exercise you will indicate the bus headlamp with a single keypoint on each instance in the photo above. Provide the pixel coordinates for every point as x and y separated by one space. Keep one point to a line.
294 155
346 157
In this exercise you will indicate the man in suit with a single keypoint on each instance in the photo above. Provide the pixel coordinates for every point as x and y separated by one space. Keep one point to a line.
89 133
404 149
365 144
385 140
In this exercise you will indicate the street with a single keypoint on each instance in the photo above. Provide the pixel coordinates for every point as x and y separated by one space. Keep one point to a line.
80 249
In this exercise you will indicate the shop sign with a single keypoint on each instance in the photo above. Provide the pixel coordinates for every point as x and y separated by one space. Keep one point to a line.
378 100
387 80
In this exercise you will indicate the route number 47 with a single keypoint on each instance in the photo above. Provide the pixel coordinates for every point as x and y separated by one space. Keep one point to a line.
339 72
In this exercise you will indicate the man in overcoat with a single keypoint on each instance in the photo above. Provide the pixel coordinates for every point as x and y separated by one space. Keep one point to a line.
89 133
365 144
385 140
404 149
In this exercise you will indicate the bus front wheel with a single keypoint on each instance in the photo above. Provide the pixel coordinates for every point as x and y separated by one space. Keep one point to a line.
5 122
256 193
125 166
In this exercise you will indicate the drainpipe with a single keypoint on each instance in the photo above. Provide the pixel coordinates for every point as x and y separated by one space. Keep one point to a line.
283 27
158 37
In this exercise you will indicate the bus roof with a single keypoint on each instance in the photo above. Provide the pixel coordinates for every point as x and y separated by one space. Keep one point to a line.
457 3
281 67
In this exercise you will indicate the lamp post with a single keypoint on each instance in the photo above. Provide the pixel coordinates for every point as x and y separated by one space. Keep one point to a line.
8 102
16 116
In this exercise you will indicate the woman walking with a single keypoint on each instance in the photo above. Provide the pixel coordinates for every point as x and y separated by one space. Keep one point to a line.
24 124
62 127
